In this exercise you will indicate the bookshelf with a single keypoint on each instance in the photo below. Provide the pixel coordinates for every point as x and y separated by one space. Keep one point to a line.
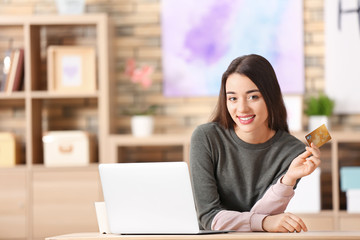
51 200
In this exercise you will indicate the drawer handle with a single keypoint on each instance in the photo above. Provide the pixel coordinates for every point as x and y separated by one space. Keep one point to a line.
65 148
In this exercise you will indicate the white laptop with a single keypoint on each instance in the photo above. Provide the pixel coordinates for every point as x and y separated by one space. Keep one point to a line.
149 198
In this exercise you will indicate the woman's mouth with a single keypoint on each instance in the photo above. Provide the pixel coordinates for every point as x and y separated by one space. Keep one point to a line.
246 119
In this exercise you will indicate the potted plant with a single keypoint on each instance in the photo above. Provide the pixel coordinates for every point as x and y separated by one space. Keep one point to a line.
319 109
142 122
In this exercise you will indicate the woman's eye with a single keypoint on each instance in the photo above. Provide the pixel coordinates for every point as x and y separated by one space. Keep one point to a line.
253 97
232 99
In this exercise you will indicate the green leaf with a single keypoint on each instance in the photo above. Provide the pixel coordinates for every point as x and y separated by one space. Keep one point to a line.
320 105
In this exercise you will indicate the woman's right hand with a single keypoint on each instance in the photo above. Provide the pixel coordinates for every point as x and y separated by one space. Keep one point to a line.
302 165
284 222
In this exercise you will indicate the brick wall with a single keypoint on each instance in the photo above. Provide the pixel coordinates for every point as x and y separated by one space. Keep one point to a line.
138 35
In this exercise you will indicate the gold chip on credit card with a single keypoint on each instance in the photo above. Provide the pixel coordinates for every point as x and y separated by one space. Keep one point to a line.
319 136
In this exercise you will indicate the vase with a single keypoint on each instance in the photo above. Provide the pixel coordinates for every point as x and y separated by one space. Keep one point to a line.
317 121
70 6
142 125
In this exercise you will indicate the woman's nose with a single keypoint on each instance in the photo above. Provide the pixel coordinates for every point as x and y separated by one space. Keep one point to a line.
242 106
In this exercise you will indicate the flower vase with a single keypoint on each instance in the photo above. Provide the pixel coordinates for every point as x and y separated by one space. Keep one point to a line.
142 125
70 6
317 121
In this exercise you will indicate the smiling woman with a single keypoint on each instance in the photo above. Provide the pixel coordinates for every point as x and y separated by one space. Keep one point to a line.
244 163
243 98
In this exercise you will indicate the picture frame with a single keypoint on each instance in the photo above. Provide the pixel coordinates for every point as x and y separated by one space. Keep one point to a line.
71 69
295 108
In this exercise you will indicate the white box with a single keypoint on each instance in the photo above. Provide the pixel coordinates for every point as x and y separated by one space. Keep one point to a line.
353 200
67 148
307 198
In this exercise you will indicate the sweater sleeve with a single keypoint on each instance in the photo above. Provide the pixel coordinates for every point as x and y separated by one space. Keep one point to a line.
203 181
238 221
274 201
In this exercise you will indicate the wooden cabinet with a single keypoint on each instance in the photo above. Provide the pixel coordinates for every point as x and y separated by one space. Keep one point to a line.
349 222
333 216
13 203
323 221
70 206
52 201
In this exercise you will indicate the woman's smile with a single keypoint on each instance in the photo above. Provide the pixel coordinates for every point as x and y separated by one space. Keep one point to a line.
246 119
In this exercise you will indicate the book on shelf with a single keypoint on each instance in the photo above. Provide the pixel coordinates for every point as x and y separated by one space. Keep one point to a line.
11 75
19 75
7 75
5 70
15 76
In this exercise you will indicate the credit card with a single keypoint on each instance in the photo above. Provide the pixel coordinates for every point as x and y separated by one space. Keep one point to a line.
319 136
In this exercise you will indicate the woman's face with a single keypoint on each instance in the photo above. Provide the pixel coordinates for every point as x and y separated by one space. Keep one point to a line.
246 105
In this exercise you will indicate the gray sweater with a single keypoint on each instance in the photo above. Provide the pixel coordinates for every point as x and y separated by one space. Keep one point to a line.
230 174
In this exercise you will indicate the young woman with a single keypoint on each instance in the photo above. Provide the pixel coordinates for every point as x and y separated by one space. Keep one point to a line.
244 163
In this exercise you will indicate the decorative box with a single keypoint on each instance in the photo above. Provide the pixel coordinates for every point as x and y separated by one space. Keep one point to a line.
350 182
353 200
67 148
9 150
350 178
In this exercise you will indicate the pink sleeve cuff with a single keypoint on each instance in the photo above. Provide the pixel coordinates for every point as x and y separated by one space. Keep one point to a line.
283 190
238 221
256 222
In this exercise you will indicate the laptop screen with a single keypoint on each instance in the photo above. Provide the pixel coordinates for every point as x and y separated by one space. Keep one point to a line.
148 198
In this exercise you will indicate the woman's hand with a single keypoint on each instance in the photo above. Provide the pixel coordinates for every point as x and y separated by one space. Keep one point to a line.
302 165
284 222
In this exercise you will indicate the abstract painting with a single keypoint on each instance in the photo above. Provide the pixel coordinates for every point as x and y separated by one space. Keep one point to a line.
200 38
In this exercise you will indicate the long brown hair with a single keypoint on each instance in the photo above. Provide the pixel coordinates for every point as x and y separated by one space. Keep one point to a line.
260 71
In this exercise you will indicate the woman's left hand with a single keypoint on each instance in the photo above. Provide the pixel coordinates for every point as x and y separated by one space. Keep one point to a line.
302 165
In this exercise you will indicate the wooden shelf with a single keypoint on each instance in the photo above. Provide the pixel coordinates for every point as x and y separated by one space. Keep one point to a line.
39 184
47 95
42 168
346 214
323 213
13 95
20 167
336 136
44 20
116 140
154 140
55 95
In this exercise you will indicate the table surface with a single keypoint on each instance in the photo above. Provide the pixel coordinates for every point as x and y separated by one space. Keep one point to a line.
232 236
